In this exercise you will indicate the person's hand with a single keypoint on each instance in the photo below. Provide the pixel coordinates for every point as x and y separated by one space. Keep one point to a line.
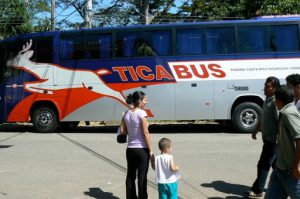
253 135
296 172
152 156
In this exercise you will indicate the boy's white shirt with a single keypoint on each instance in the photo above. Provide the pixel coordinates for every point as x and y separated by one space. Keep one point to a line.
163 172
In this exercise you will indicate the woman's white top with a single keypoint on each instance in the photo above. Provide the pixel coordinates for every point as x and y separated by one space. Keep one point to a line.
133 121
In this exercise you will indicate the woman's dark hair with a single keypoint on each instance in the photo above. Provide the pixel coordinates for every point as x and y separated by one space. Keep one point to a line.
135 98
274 81
284 94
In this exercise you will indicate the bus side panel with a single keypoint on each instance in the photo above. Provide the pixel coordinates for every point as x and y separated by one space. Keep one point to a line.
161 102
194 100
103 109
226 92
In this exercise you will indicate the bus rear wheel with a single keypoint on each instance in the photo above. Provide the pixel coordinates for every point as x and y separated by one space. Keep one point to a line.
245 117
44 120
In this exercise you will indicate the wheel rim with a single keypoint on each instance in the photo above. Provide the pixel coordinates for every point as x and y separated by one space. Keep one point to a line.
248 118
44 119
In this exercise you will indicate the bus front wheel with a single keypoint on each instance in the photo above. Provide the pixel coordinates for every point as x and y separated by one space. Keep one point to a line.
245 117
44 120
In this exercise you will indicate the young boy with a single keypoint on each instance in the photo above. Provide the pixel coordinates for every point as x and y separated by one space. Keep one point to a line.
165 171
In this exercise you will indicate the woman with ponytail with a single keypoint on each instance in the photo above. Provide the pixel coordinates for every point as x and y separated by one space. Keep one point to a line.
139 149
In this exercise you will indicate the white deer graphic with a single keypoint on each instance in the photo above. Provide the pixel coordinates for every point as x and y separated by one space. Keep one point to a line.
52 77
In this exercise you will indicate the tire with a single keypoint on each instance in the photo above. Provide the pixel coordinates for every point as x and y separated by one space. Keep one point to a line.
68 125
245 117
45 120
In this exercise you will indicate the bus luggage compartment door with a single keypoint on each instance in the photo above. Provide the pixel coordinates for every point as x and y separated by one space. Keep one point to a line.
194 100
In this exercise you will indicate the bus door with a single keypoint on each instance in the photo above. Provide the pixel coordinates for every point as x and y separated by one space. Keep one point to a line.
13 89
10 85
194 100
14 78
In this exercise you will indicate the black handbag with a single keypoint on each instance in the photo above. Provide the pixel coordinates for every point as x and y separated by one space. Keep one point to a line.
121 138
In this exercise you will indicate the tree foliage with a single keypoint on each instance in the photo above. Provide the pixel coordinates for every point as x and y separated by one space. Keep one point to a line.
22 16
279 7
125 12
39 14
232 9
147 10
14 18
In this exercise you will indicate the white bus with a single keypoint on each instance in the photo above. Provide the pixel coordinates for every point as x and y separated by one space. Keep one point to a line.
189 71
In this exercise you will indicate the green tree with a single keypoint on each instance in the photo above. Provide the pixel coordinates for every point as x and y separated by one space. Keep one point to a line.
212 9
279 7
234 9
14 18
40 14
147 10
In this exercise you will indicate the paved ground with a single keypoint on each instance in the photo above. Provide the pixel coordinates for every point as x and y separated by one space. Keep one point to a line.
88 163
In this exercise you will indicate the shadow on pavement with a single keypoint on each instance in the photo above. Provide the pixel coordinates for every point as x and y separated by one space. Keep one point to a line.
153 128
16 127
235 189
96 192
5 146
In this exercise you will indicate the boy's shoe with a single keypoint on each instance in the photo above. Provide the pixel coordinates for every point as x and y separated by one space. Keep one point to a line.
252 194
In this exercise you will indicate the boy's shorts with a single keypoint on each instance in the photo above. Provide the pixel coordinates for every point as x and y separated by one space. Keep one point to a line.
167 191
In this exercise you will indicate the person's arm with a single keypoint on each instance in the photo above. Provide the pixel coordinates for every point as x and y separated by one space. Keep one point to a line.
291 122
147 135
296 165
174 167
153 162
254 133
123 127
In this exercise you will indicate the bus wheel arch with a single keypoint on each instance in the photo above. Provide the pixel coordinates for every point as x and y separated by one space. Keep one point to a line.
245 113
44 116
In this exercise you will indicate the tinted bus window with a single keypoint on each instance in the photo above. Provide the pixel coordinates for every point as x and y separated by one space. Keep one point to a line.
43 49
71 47
12 50
143 44
98 46
160 42
253 39
220 40
190 41
126 44
284 38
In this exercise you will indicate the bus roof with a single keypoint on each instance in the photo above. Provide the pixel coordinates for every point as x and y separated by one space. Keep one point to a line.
263 19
